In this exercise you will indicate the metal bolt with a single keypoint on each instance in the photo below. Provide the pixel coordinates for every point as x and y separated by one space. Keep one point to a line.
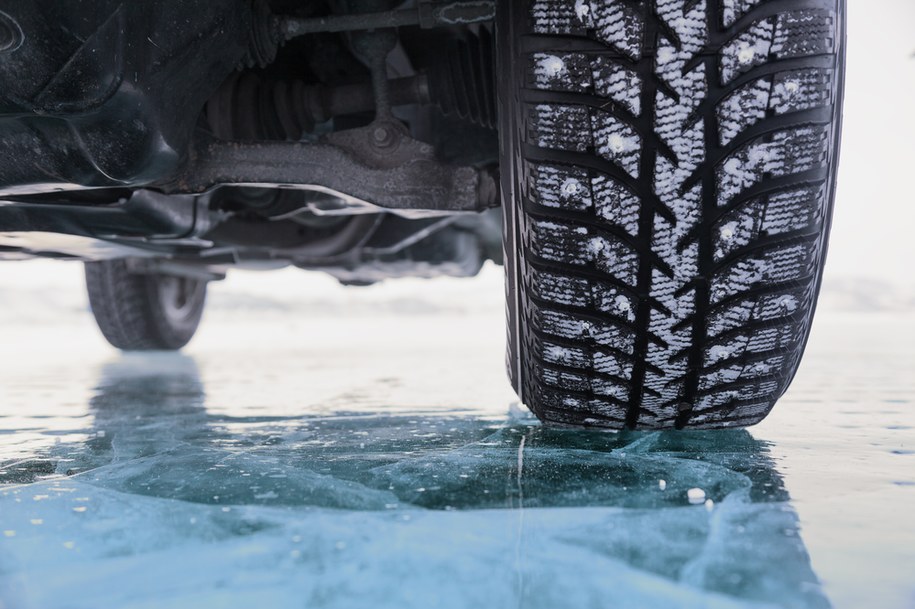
383 136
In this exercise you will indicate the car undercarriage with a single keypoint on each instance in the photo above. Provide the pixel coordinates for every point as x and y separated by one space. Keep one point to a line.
194 135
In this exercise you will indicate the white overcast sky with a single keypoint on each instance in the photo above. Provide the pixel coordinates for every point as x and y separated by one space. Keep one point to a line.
874 223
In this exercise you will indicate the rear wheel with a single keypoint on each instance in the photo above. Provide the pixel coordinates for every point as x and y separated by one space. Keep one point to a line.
144 312
668 175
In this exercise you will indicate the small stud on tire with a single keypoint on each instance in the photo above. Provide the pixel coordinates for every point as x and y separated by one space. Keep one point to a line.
668 172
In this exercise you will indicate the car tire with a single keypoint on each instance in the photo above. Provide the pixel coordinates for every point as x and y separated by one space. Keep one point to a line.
144 311
668 172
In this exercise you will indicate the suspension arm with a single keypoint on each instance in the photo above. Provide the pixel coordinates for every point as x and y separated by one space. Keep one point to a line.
425 15
378 165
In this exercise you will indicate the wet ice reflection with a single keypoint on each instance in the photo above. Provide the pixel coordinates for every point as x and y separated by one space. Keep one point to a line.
172 500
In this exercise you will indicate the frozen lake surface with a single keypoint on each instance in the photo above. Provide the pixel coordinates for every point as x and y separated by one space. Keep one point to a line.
347 448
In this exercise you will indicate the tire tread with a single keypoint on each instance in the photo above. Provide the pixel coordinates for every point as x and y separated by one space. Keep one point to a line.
679 154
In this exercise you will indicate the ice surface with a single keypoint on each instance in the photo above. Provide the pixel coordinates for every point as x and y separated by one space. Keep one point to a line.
365 451
399 511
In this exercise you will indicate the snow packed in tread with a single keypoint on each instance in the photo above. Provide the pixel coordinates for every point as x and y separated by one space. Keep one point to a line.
726 265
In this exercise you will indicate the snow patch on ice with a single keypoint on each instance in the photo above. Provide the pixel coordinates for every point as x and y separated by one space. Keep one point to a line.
695 496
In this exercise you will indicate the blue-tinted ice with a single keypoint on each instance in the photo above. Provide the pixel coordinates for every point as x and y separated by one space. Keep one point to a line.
369 510
375 460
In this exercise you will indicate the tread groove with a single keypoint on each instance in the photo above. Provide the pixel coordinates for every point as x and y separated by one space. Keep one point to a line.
675 161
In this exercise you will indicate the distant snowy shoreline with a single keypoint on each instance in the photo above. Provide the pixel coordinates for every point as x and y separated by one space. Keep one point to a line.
55 294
